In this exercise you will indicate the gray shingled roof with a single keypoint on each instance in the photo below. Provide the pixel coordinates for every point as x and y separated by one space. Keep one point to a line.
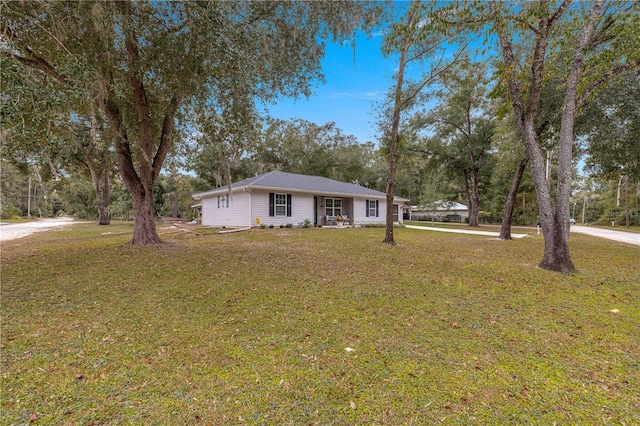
296 182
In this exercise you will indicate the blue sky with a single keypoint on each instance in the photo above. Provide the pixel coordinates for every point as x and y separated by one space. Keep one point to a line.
350 90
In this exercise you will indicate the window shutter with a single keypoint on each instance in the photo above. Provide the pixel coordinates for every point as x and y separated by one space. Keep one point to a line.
228 196
366 204
271 204
376 208
218 201
288 205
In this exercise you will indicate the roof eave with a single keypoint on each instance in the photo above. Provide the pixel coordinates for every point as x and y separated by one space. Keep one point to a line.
225 189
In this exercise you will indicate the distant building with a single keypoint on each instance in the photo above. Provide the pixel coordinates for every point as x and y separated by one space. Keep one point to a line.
441 211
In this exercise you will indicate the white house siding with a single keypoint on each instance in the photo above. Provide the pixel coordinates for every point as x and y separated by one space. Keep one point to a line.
301 208
244 207
237 214
360 212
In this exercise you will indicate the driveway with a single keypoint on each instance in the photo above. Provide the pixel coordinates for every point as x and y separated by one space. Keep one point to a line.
463 231
624 237
12 231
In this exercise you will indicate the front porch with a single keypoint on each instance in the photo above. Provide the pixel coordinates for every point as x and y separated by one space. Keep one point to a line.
333 211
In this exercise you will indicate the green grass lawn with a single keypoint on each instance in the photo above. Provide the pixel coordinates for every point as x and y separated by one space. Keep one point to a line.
316 326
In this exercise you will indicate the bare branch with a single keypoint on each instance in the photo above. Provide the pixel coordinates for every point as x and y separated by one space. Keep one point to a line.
435 73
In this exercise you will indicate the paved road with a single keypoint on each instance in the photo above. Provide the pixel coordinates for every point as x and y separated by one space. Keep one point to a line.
625 237
12 231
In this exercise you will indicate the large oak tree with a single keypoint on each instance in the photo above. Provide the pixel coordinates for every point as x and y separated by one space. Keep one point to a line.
147 64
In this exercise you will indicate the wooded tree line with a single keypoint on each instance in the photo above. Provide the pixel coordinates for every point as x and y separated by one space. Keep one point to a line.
107 106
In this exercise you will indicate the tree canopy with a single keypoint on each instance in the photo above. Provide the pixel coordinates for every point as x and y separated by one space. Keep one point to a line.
148 65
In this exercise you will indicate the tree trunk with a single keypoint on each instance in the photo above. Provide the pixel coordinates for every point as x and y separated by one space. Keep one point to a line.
474 209
100 182
104 217
144 226
139 182
507 217
555 221
556 244
395 125
627 215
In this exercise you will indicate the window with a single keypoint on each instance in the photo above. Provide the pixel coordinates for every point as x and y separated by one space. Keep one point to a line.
280 204
333 206
372 208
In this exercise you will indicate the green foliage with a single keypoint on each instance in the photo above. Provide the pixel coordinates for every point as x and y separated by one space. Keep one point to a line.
9 211
150 64
610 125
254 327
80 199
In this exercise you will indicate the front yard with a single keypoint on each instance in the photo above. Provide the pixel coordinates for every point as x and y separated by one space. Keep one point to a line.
315 326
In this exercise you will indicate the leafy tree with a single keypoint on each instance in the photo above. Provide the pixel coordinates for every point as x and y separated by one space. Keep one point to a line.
509 151
416 39
611 128
604 42
150 63
463 123
14 190
300 146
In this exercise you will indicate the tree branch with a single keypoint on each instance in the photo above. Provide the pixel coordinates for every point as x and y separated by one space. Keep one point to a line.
538 60
614 72
123 148
139 92
32 60
44 66
165 138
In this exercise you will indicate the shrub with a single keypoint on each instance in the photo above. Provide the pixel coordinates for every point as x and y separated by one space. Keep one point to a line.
306 223
9 211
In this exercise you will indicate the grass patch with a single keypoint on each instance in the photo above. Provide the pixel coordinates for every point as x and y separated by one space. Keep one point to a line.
254 327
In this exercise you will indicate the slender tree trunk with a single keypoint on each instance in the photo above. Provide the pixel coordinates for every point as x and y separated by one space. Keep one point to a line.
626 203
474 209
507 217
395 125
104 216
100 181
101 187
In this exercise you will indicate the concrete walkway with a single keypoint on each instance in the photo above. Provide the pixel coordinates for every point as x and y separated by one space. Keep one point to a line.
463 231
610 234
